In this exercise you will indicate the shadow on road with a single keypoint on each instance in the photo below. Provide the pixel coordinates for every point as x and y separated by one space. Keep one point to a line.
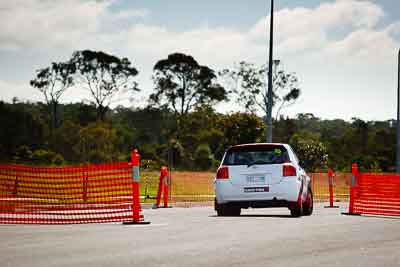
256 216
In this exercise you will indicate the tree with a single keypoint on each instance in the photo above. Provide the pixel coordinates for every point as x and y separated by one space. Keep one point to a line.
311 152
182 84
202 157
248 83
241 128
104 75
52 82
97 143
21 125
284 129
80 113
201 127
68 135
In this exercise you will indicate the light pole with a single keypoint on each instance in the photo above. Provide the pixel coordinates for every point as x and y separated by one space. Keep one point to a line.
398 118
269 93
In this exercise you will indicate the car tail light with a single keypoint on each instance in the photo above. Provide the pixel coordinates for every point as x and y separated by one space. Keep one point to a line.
223 172
289 169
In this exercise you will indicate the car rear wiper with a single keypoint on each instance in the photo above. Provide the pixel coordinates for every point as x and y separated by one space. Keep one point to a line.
256 162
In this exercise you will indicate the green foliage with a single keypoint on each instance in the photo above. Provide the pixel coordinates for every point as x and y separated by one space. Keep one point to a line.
103 75
312 153
79 113
203 157
22 124
24 154
284 129
52 82
202 126
180 126
46 157
248 84
177 153
80 138
149 152
215 164
152 165
241 128
68 137
182 84
96 143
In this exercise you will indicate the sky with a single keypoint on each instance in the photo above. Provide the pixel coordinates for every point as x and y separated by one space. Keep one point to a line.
344 52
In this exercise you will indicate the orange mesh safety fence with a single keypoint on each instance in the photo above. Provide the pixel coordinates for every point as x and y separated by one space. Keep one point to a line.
66 195
189 186
377 194
320 186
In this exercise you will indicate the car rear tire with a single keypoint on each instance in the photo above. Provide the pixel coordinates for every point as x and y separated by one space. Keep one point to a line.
227 210
221 210
235 211
297 209
308 206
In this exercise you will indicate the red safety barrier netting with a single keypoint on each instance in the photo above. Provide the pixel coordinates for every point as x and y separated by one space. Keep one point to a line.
321 186
377 194
67 195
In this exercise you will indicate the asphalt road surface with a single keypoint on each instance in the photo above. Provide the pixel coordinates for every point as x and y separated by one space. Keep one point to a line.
196 237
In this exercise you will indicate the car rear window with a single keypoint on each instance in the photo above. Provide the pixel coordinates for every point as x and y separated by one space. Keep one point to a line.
256 155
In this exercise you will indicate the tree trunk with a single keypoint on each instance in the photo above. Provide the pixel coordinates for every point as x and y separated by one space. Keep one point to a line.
55 115
101 112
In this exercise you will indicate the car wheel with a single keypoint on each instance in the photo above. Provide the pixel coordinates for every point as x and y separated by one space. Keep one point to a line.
226 210
309 204
235 211
221 209
297 209
221 212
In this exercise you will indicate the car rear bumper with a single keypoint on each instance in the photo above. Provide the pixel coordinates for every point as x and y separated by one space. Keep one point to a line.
274 203
279 195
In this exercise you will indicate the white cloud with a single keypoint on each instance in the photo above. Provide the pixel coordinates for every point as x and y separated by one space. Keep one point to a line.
139 13
366 45
301 28
311 41
37 24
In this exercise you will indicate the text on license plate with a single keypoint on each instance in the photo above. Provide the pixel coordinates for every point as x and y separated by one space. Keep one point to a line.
256 189
255 179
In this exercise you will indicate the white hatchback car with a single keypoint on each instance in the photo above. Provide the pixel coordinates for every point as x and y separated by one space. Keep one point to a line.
262 176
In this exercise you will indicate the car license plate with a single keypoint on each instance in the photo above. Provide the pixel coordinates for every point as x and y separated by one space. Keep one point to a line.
256 189
255 179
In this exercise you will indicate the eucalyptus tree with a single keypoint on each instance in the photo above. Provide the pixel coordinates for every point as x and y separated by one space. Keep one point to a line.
52 82
104 76
248 84
182 84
